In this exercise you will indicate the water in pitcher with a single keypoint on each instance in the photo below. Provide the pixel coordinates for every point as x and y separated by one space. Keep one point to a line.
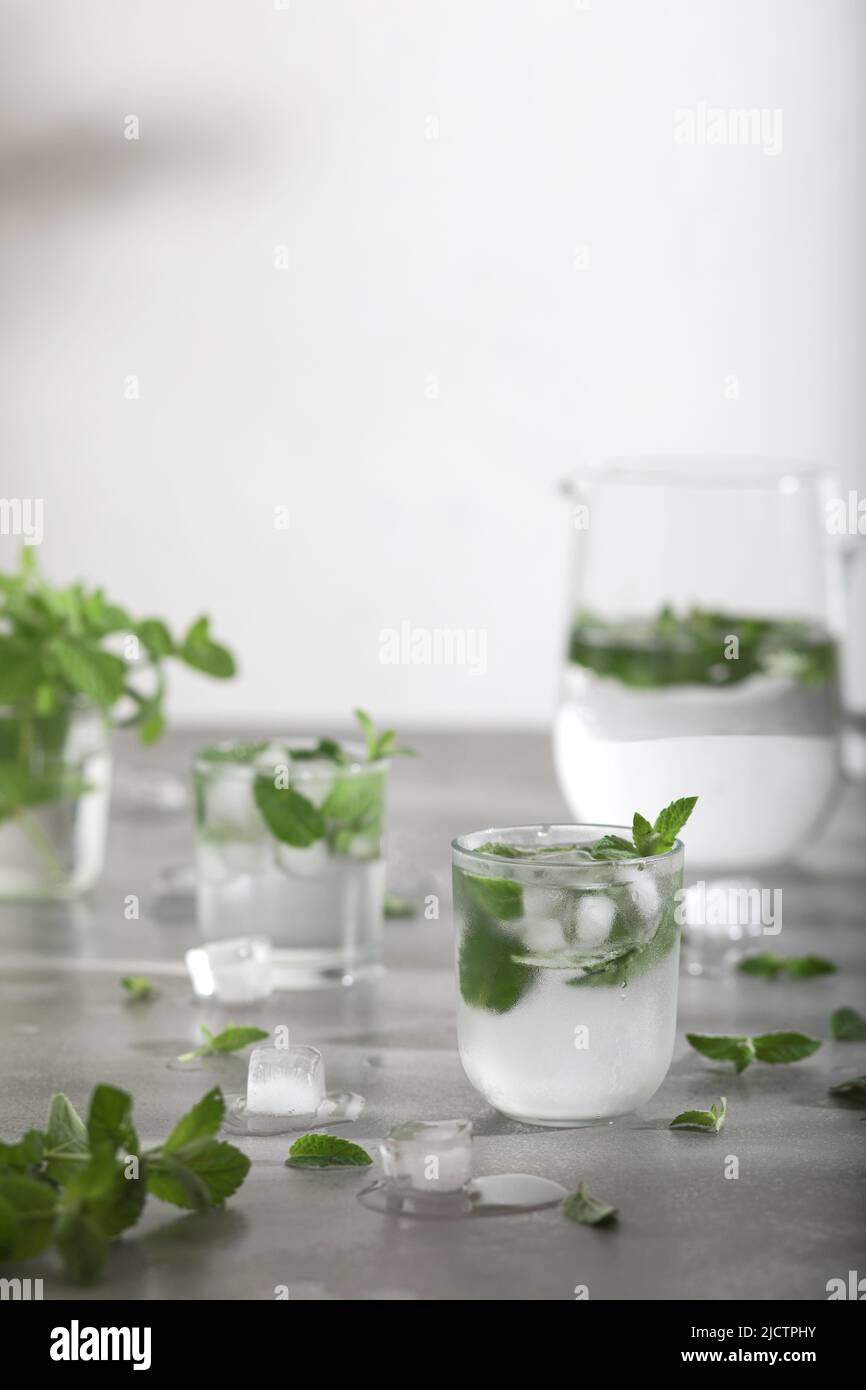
745 710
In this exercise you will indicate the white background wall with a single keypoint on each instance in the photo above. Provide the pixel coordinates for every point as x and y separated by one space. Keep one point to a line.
410 259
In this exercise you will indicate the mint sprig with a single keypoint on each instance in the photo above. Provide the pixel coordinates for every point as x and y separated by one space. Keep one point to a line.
380 745
852 1091
846 1025
768 966
73 1184
587 1210
708 1120
139 987
326 1151
647 839
774 1048
231 1039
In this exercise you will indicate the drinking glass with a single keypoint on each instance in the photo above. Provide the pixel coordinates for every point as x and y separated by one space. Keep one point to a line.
311 878
705 616
567 972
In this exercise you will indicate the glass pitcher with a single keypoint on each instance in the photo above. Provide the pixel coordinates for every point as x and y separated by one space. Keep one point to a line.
705 620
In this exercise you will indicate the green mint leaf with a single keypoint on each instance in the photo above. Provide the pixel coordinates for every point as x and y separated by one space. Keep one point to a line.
846 1025
66 1140
489 976
806 967
587 1210
200 651
368 731
172 1180
612 847
642 832
396 908
82 1245
231 1039
671 820
723 1048
24 1154
767 965
779 1048
139 987
109 1116
711 1119
156 637
356 802
288 815
326 1151
199 1123
97 674
500 897
853 1092
34 1207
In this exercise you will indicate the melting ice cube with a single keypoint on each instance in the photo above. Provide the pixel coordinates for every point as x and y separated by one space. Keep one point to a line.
431 1157
595 915
236 971
285 1080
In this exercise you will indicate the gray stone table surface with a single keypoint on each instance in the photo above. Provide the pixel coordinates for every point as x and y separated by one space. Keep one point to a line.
792 1219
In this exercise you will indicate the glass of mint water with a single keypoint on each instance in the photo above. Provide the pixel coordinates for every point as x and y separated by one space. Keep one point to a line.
567 971
289 846
55 775
704 622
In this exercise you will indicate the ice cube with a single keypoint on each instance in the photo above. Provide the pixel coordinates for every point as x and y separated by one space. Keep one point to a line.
644 894
429 1157
542 934
313 862
229 807
285 1080
595 914
234 971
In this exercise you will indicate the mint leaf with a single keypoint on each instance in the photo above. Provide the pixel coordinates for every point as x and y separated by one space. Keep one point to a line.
96 673
723 1048
25 1154
396 908
711 1119
778 1048
139 987
156 637
380 745
613 847
33 1205
231 1039
108 1119
642 832
769 966
200 651
326 1151
199 1123
805 967
202 1177
82 1245
846 1025
500 897
671 820
172 1180
587 1210
288 815
356 801
66 1140
853 1092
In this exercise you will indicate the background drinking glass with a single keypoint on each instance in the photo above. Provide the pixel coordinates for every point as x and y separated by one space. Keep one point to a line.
705 615
566 971
319 903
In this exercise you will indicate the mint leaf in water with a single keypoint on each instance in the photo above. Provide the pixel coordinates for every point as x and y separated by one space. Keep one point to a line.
587 1210
501 897
326 1151
723 1048
768 966
779 1048
853 1091
288 815
231 1039
139 987
846 1025
708 1120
